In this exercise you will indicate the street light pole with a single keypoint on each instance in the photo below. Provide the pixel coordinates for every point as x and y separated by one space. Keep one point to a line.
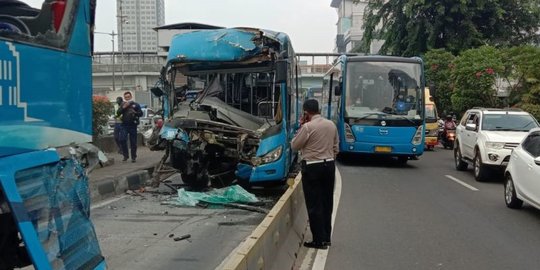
112 34
121 29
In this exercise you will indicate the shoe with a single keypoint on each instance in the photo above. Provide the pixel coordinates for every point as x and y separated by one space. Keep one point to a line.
133 161
124 160
315 245
327 243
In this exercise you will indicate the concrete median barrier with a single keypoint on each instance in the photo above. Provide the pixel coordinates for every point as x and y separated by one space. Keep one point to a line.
275 243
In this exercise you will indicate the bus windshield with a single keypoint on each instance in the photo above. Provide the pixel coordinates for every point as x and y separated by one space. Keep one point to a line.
389 89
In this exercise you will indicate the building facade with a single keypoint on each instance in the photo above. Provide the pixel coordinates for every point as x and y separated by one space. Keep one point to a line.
136 20
350 26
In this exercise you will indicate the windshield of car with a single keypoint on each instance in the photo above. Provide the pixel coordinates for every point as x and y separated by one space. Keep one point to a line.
390 88
508 122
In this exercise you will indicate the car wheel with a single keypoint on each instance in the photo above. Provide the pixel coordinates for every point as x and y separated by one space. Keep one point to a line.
510 197
480 171
460 164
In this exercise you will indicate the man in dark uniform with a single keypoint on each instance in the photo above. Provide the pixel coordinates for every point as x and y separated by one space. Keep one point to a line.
318 141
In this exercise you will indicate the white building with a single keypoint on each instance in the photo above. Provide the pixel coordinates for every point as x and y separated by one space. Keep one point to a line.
349 26
136 21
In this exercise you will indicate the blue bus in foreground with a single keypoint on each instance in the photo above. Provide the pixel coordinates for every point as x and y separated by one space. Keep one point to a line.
45 119
241 124
377 103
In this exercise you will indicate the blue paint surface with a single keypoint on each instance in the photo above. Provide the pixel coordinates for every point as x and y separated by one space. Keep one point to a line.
229 45
46 94
51 195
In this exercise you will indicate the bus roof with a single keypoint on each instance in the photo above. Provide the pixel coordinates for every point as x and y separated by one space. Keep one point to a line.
382 58
229 45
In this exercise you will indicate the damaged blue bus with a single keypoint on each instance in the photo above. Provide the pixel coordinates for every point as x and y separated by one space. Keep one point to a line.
241 124
46 124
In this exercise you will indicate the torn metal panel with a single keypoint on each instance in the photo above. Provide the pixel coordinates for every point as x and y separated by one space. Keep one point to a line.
222 45
49 201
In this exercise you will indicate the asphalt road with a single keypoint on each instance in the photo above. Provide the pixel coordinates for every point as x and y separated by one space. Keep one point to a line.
137 232
418 217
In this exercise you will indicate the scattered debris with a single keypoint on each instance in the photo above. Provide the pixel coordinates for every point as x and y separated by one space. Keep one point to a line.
134 193
232 194
183 237
171 235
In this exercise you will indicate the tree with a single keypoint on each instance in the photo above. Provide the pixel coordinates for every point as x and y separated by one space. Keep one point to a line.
474 78
413 27
439 65
523 75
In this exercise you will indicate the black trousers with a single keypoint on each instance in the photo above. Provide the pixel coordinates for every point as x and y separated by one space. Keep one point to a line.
318 181
129 132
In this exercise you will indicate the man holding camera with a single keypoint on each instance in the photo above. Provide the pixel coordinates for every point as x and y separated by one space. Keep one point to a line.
129 111
318 141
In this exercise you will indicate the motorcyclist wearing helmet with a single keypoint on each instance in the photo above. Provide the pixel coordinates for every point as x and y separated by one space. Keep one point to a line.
449 124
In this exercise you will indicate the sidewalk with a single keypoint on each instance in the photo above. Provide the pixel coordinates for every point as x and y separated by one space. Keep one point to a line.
120 176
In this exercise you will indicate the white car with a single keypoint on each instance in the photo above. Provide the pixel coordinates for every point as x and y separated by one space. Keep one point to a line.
522 182
486 137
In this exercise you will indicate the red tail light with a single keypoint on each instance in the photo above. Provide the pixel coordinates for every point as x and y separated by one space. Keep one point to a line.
58 9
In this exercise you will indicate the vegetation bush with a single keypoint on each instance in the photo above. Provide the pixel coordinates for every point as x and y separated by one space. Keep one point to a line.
101 109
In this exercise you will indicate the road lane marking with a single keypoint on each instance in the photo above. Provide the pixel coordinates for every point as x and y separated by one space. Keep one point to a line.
322 254
106 202
461 183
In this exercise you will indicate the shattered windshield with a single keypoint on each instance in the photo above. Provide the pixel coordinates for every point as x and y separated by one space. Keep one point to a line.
391 89
28 21
254 94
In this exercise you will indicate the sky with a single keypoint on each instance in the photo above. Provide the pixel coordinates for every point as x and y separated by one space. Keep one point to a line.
311 24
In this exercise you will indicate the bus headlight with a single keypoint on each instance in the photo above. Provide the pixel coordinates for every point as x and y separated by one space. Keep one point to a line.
417 139
349 136
269 157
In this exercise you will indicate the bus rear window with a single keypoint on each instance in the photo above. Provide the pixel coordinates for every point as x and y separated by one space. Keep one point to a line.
48 24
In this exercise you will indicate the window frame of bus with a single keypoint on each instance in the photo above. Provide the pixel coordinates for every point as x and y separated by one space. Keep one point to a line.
51 38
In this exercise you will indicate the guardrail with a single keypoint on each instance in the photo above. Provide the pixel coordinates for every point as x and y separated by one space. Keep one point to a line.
275 243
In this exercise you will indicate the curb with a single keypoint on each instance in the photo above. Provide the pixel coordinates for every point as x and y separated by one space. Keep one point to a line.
118 185
275 243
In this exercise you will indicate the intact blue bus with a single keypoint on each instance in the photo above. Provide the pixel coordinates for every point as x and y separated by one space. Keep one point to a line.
45 112
241 124
377 103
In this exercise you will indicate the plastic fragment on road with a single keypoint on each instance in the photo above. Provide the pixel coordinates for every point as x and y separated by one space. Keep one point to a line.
231 194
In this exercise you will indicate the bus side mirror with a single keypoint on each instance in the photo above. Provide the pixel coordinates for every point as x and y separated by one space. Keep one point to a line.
281 71
337 90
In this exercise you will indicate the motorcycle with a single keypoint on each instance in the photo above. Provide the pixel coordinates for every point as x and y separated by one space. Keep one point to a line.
449 138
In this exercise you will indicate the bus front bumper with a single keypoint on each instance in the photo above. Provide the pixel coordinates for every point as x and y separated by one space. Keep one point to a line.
383 149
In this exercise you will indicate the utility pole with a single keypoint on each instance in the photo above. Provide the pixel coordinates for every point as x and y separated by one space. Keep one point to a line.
121 29
112 34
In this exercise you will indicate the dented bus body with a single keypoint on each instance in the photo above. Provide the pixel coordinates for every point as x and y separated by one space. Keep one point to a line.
240 126
46 127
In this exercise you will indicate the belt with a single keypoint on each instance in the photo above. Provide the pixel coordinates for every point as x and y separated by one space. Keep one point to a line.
318 161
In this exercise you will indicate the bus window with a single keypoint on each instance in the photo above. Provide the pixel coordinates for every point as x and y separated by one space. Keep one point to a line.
49 26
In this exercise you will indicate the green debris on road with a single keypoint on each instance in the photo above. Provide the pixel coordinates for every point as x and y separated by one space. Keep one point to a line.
221 196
